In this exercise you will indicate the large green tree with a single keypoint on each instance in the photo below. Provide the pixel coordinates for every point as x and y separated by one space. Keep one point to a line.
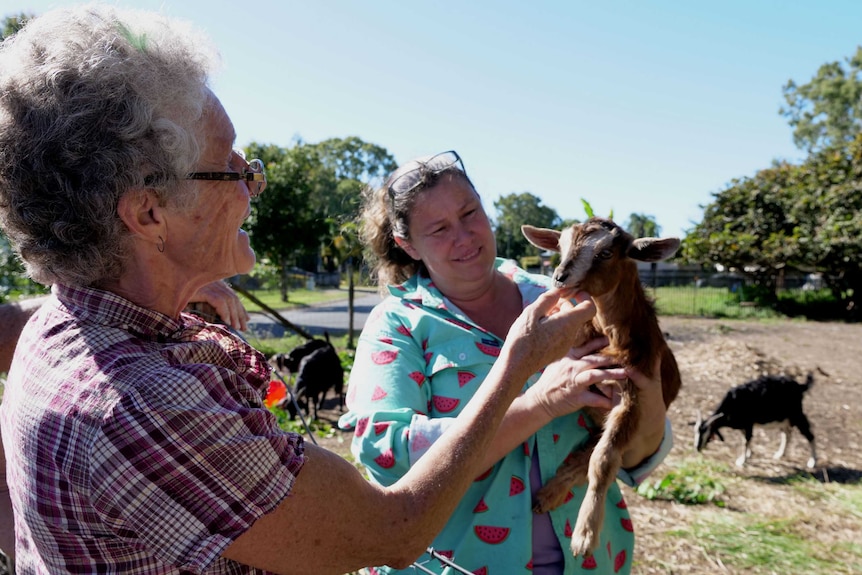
283 226
827 110
354 164
806 216
514 210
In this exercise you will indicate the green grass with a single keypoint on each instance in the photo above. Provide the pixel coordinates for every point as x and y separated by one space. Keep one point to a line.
707 302
751 544
295 298
805 527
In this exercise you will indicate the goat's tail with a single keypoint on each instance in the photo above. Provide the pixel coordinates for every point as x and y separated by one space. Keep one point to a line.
809 381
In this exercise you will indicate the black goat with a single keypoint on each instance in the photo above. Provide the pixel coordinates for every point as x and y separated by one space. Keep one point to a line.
767 399
318 372
290 361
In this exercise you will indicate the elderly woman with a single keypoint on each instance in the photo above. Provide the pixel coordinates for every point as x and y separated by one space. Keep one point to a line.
449 305
135 436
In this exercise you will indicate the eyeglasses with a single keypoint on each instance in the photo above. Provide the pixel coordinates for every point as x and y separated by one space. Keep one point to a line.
252 173
416 177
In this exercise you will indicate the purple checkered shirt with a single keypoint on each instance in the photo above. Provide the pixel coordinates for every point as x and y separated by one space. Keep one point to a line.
137 443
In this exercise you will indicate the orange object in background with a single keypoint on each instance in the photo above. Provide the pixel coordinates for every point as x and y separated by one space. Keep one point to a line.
276 392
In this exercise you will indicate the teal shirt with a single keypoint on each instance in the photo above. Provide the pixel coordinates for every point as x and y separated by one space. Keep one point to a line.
418 362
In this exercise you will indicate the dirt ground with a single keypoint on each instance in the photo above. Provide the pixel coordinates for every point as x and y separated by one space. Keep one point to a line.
714 355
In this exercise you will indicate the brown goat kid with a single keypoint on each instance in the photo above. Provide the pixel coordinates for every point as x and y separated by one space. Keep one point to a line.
599 257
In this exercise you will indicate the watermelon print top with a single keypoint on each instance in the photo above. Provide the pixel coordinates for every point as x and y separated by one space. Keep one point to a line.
418 362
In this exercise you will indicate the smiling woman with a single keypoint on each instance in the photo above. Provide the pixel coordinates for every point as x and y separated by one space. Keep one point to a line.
427 352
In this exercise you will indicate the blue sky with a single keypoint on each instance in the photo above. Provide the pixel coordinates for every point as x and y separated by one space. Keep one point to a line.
647 107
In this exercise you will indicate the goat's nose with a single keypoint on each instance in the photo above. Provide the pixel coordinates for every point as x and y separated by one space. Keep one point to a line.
561 277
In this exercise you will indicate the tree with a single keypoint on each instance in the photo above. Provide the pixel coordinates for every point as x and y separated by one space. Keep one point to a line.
827 111
643 226
514 210
355 164
806 216
283 226
12 24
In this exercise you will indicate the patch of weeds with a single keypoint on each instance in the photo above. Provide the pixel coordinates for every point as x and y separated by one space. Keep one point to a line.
773 546
691 483
319 428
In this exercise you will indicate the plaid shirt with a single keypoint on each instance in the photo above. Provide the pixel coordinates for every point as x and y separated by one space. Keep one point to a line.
137 443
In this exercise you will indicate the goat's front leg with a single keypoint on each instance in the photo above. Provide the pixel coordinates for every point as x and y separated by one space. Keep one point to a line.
619 429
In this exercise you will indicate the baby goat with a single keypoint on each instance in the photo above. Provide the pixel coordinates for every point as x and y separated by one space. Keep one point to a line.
767 399
599 257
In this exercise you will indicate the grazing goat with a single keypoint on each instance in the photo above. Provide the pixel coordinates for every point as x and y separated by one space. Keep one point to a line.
767 399
290 361
318 372
599 257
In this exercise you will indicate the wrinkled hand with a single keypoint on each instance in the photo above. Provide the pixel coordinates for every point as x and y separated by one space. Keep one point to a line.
545 331
564 386
226 303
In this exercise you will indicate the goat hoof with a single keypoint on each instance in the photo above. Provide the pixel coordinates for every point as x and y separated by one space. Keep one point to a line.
583 544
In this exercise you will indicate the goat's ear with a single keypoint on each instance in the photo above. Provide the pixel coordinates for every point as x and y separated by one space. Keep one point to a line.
653 249
542 237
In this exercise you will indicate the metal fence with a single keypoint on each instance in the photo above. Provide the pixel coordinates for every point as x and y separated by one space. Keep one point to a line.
693 291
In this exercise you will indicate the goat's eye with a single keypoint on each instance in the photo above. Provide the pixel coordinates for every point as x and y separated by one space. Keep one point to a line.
605 254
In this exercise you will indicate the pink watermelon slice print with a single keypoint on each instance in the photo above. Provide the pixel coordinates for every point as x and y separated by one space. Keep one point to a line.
619 561
404 330
420 442
481 571
589 563
516 486
379 393
492 350
459 323
445 404
360 426
383 357
485 475
386 459
490 534
465 377
627 524
418 377
481 507
380 427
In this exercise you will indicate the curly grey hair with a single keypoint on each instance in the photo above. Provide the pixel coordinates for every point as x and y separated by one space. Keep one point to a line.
94 101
